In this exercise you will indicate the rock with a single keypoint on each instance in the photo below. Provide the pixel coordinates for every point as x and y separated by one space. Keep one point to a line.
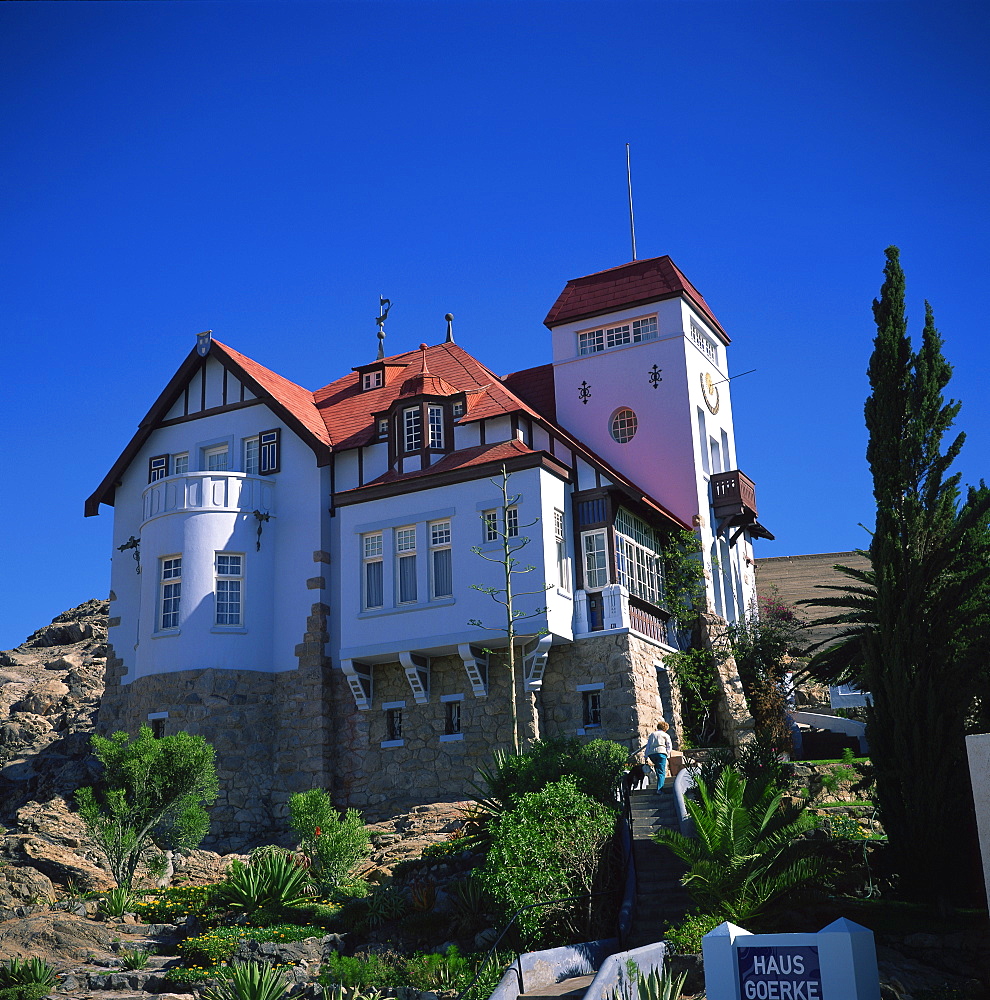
62 865
61 939
483 940
23 886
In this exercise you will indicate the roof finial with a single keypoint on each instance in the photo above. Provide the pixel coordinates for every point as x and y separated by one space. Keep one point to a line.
450 327
384 305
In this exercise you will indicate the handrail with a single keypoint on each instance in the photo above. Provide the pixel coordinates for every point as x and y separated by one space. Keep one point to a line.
516 964
518 958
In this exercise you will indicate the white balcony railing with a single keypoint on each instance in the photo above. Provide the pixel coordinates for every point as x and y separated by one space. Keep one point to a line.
233 492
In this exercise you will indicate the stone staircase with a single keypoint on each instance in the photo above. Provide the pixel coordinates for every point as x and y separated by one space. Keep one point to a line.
659 894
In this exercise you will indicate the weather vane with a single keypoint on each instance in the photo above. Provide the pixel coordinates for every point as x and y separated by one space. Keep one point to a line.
384 305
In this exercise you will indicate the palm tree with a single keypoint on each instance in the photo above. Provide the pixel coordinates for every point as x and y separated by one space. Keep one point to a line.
746 851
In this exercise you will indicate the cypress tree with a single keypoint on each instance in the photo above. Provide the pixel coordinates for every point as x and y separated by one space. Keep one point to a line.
916 623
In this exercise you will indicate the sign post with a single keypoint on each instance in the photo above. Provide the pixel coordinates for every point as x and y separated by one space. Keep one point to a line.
837 963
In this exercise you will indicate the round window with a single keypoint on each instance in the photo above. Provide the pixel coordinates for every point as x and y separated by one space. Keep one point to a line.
623 425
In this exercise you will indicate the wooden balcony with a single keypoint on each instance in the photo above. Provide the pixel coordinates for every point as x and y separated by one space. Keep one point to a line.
733 493
734 504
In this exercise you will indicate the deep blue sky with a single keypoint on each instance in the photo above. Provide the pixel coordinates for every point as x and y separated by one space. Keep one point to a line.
267 169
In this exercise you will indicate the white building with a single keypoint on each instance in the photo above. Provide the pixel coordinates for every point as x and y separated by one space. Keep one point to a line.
293 571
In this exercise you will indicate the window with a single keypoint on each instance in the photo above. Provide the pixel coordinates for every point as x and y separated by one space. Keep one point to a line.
644 329
512 522
374 590
180 464
216 458
591 708
637 557
457 409
435 415
229 588
171 592
595 560
703 342
383 427
594 341
251 456
371 380
157 468
405 551
442 582
268 452
452 718
591 342
563 566
623 425
393 724
412 424
491 519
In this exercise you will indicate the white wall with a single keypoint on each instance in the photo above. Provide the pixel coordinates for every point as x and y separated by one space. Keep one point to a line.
435 624
276 598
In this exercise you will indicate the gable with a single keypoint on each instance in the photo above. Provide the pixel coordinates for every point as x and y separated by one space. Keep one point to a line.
221 381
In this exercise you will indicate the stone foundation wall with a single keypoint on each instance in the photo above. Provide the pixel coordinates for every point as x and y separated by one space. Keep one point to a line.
380 781
635 694
271 731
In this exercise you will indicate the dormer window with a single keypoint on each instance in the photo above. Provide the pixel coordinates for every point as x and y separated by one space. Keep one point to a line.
457 409
436 426
383 427
372 380
412 428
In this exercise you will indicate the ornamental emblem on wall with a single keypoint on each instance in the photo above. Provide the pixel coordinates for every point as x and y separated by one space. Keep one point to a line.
584 392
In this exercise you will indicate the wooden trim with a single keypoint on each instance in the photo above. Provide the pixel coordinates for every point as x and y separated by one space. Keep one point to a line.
202 387
212 411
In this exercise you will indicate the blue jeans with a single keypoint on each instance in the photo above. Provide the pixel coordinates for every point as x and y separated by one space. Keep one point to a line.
659 761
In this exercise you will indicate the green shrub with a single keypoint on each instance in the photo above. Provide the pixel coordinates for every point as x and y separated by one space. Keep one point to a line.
249 982
422 971
684 938
28 980
837 776
548 847
595 767
431 972
334 844
360 970
272 883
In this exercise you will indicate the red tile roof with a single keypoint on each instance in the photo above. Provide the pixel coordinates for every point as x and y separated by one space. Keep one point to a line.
348 412
623 287
535 386
297 400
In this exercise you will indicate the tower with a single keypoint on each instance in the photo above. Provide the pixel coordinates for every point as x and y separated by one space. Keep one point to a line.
641 375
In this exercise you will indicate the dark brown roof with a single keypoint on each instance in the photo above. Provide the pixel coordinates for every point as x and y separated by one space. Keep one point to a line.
623 287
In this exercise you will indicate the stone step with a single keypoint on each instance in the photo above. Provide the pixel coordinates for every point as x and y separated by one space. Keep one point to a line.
569 988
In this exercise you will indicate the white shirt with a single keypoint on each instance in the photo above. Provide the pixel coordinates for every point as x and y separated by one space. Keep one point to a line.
657 742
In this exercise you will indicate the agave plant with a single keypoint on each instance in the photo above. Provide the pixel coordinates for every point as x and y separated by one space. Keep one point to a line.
117 902
746 852
29 980
655 985
249 982
274 881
